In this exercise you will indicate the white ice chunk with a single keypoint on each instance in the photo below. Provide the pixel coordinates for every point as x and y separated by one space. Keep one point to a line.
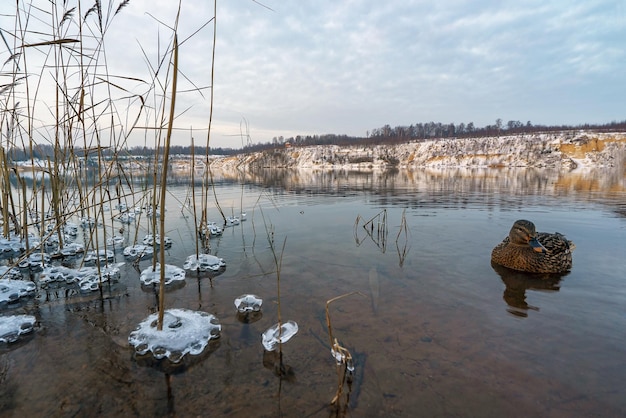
35 260
204 262
232 220
7 272
155 240
116 241
248 303
138 251
184 332
58 274
341 357
11 327
87 278
101 255
279 334
72 249
10 245
12 290
172 274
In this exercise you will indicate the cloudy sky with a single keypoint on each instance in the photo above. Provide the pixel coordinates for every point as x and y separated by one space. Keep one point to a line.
290 67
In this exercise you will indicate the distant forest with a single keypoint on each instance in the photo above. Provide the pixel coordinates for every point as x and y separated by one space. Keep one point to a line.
377 136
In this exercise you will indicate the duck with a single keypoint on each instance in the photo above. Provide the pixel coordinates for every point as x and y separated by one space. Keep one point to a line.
529 251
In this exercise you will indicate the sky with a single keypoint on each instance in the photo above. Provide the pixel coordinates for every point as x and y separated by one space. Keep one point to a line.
304 67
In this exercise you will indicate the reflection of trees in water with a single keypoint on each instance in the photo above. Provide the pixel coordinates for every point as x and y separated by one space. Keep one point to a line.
517 283
454 187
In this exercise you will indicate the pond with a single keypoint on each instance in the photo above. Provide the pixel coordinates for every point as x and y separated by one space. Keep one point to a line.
432 327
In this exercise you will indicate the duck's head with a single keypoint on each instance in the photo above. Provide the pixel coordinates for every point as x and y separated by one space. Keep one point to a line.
523 233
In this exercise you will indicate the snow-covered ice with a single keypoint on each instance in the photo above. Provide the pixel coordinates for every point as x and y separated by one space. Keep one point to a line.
12 326
172 274
232 221
35 261
102 255
279 334
204 262
13 290
155 240
87 278
72 249
140 251
7 272
248 303
116 242
184 332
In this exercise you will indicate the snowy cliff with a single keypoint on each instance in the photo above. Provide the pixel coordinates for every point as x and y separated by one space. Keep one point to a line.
568 151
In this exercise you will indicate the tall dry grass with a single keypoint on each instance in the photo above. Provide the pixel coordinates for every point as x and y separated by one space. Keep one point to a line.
60 97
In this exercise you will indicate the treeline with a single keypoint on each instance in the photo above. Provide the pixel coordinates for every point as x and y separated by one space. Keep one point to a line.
432 130
424 131
382 135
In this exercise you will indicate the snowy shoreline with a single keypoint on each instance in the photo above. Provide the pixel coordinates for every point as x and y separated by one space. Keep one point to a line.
562 151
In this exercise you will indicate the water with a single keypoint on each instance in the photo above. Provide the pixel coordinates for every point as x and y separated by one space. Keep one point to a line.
433 329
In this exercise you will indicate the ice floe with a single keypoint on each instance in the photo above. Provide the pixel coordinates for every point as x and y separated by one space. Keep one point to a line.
184 332
12 326
278 334
116 242
204 262
155 240
138 251
35 261
13 290
87 278
99 255
248 303
7 272
172 274
72 249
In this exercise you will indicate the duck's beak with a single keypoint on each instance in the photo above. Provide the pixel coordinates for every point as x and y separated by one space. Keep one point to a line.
536 245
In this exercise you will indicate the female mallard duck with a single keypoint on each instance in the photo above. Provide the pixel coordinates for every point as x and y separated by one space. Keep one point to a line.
526 250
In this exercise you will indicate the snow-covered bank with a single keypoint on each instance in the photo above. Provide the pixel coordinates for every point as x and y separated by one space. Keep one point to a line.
562 151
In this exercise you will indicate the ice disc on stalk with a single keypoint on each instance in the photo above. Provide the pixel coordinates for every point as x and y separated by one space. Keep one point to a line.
184 332
279 334
172 274
248 303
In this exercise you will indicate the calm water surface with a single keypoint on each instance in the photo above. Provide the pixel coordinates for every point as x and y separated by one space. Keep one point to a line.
435 330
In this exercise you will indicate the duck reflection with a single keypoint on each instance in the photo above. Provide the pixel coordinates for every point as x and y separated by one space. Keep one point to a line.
517 283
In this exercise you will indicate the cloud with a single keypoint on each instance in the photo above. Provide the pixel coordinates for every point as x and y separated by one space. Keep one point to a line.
346 67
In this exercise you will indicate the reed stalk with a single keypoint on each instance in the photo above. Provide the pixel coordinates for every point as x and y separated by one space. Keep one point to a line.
343 367
166 154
